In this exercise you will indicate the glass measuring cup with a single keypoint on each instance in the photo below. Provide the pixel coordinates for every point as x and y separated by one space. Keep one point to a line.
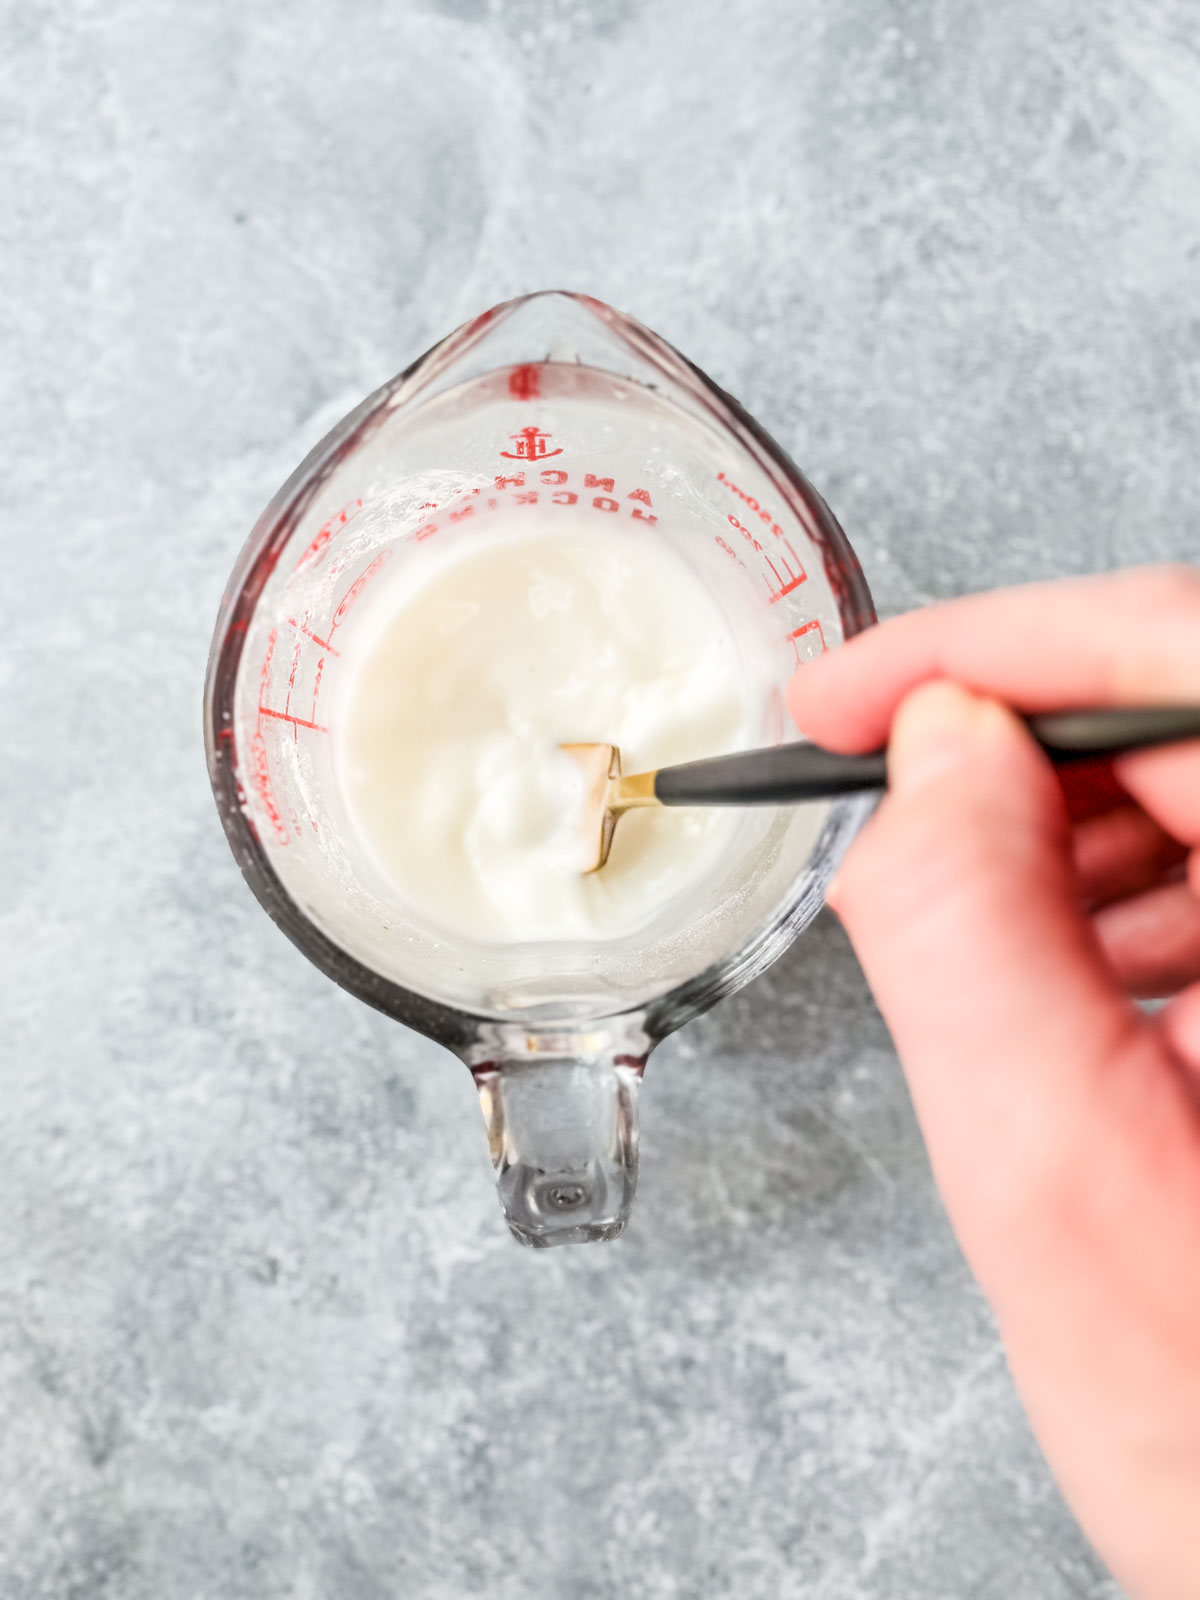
550 405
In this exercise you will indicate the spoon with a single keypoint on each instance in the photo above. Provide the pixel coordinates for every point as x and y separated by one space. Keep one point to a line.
803 771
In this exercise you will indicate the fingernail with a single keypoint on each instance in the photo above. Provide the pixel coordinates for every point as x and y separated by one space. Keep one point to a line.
934 730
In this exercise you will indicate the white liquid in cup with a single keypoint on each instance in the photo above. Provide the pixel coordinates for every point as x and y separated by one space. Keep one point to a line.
460 690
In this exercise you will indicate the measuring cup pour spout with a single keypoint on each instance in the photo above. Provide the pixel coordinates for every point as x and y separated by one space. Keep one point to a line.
562 1120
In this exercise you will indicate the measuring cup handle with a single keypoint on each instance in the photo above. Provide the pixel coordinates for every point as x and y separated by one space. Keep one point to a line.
562 1120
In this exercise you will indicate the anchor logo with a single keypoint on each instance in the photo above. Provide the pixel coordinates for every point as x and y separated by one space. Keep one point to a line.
531 446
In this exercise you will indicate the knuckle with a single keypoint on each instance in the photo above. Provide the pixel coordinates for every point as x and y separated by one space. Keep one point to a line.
1171 583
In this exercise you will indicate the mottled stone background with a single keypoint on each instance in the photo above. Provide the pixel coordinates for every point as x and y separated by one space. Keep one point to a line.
262 1333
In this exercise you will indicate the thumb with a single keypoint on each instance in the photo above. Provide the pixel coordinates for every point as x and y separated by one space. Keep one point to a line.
961 902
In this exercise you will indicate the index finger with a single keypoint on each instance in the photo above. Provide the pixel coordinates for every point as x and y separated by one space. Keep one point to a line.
1122 638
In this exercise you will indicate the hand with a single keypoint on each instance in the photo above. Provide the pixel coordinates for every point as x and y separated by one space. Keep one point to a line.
1003 918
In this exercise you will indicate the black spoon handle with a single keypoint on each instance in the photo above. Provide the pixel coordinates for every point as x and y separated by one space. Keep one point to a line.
807 772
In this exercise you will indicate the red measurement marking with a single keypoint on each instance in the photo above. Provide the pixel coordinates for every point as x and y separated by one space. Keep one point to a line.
287 704
531 445
286 716
266 666
325 645
550 477
793 572
751 504
744 531
355 589
335 524
326 649
524 383
261 780
808 627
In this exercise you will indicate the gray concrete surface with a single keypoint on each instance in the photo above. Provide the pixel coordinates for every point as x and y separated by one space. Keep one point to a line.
262 1333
